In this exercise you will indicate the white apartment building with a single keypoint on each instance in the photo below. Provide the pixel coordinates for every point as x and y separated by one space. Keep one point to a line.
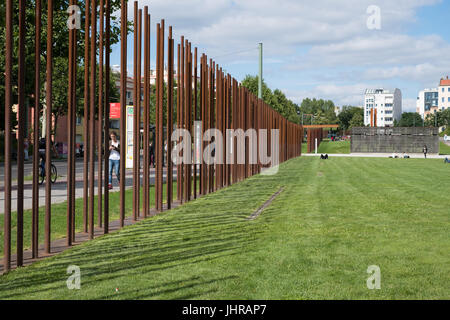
382 107
444 94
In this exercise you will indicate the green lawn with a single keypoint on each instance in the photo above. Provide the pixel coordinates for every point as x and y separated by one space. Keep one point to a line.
333 147
444 149
330 147
315 241
59 217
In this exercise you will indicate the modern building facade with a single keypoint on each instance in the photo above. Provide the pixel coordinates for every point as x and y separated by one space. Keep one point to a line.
427 101
382 107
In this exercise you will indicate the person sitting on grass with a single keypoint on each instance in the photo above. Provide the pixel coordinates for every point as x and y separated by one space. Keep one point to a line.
405 155
446 160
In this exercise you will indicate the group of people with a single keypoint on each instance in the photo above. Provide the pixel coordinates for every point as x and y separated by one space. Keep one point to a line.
406 156
396 156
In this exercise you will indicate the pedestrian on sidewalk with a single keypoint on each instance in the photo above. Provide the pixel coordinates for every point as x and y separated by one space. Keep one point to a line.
152 154
26 145
114 158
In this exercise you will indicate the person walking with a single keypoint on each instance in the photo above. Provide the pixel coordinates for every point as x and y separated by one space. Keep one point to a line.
425 151
42 147
114 158
152 155
25 149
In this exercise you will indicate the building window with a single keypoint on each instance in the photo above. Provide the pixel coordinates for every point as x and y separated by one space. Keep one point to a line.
114 124
443 99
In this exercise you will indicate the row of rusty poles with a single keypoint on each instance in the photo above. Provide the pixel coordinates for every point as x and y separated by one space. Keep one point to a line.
215 99
313 134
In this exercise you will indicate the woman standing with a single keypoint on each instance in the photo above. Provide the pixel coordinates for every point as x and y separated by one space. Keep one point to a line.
114 158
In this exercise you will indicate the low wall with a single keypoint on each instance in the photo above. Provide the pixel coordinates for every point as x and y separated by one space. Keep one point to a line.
394 139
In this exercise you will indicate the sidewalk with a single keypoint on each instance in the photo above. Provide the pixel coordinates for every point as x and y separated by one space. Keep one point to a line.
59 189
378 155
60 245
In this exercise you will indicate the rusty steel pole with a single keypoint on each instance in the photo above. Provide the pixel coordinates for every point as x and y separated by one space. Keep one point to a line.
138 116
212 92
8 105
21 133
146 136
123 103
178 115
36 112
201 117
159 118
156 133
169 174
180 181
100 115
195 119
86 117
70 153
74 110
186 117
136 83
49 103
92 97
217 126
107 94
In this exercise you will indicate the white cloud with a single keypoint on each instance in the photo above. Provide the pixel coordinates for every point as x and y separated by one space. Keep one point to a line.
324 43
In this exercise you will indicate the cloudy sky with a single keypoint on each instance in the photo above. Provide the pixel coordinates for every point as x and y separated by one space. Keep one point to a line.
317 48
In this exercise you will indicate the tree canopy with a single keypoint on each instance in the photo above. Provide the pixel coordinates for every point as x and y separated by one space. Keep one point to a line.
351 117
410 119
60 53
276 99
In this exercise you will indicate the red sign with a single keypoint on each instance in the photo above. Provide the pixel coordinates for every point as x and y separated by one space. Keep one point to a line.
114 110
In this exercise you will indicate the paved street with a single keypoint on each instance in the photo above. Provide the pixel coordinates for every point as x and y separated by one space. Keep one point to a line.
59 189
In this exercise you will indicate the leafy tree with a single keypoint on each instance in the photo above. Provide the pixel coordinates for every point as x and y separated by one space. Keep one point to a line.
60 52
410 119
316 111
347 114
441 118
356 121
276 99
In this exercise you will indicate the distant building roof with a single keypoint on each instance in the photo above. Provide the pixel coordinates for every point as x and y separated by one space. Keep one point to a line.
445 82
380 91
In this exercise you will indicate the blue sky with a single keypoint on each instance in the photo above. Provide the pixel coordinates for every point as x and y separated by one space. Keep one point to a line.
316 49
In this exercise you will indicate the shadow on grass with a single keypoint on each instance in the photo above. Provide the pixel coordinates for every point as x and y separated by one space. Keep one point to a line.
173 240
